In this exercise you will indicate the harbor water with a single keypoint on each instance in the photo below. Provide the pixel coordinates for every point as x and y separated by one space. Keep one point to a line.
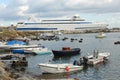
103 71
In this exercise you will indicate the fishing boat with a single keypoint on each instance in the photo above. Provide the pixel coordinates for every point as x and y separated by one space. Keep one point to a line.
66 51
59 68
37 50
101 35
95 58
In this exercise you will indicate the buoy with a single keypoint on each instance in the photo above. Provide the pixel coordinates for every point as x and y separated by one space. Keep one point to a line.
67 68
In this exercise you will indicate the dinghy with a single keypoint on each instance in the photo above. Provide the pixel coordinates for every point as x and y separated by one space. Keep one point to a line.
59 68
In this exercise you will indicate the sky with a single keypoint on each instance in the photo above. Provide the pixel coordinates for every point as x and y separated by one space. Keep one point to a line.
13 11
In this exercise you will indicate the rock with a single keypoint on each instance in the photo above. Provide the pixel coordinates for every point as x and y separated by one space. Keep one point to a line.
4 75
26 78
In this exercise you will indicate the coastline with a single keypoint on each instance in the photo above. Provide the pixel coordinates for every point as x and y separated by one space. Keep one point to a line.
9 74
8 33
4 74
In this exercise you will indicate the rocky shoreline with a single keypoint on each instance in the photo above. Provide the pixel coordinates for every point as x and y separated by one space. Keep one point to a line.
10 74
4 74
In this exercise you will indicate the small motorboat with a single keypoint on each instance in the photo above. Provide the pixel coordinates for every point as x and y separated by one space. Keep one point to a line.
101 35
66 51
37 50
95 58
59 68
117 42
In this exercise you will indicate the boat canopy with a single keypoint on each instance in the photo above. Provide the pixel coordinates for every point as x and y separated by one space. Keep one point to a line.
12 42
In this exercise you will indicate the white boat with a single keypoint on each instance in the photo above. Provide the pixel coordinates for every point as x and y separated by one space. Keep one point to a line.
73 23
59 68
37 50
97 57
101 35
16 46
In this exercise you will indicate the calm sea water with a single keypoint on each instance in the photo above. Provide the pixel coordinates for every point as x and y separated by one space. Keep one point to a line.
107 71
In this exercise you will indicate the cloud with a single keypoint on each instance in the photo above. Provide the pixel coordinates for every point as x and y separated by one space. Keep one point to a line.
13 10
46 7
20 9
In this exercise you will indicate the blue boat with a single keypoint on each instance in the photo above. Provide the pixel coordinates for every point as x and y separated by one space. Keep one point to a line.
13 42
19 51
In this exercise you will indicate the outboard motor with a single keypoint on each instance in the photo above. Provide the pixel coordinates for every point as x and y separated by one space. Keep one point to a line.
76 62
85 60
43 46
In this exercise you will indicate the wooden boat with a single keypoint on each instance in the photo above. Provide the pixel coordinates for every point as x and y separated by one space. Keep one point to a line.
66 51
59 68
96 58
37 50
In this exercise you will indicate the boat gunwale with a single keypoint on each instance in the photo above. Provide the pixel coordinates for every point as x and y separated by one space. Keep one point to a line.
62 67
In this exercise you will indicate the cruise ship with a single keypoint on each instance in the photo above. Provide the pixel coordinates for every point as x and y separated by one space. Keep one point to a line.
73 23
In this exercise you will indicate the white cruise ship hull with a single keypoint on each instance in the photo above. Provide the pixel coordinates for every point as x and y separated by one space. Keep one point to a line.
74 23
47 27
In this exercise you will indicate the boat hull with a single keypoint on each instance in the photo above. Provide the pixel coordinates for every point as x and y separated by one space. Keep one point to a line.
20 51
59 68
100 35
101 58
55 27
74 51
37 51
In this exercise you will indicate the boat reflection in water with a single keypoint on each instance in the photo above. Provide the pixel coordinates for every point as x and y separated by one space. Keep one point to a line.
60 76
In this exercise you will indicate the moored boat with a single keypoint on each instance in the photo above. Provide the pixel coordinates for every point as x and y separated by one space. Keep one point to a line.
59 68
37 50
117 42
101 35
66 51
18 51
95 58
15 44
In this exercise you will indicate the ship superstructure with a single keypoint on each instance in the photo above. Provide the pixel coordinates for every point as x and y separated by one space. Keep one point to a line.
74 23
